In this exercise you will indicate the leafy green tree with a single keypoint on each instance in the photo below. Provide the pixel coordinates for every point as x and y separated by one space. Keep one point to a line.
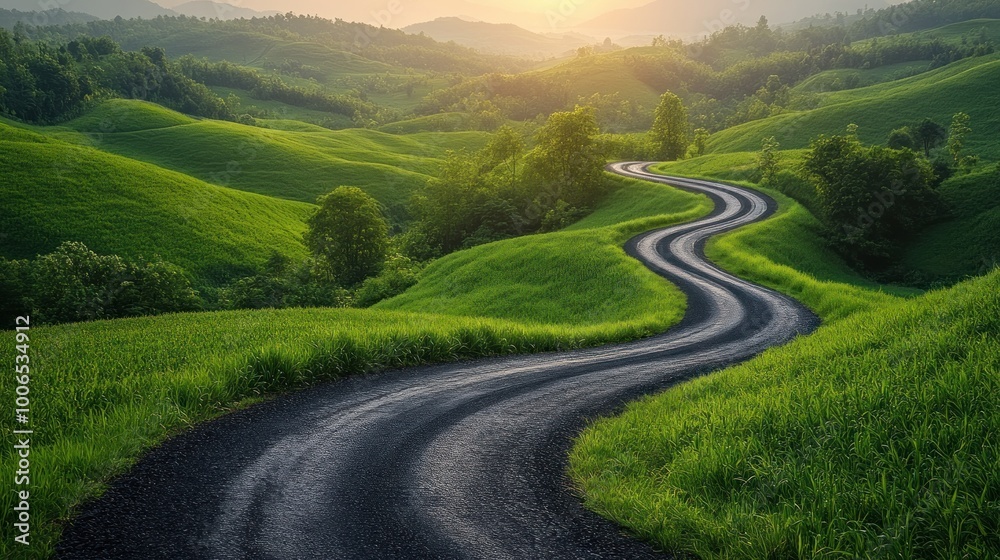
566 163
960 129
503 154
348 235
872 199
768 159
930 134
701 136
902 138
670 128
956 136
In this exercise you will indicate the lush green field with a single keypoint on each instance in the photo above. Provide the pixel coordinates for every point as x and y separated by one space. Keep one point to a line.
965 86
877 435
290 160
606 74
53 191
967 244
580 276
109 390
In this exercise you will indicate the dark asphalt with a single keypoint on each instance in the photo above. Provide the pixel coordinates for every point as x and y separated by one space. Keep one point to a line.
457 461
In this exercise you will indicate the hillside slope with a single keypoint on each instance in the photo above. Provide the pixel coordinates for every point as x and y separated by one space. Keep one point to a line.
52 191
874 434
291 165
968 86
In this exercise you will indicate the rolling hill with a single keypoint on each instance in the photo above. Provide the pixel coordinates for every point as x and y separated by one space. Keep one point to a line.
220 10
878 109
54 191
291 165
104 9
499 38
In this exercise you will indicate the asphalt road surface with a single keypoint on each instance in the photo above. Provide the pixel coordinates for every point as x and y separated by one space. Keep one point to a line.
463 460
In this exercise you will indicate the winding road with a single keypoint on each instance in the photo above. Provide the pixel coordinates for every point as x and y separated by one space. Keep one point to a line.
462 460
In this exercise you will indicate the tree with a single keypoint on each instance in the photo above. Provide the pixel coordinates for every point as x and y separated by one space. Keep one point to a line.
74 283
902 138
956 143
768 159
669 133
871 199
502 154
566 162
701 136
930 135
348 235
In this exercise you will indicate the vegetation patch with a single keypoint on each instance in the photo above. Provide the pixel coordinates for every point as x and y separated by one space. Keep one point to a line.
876 433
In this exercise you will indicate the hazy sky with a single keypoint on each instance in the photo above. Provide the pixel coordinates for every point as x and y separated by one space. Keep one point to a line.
552 15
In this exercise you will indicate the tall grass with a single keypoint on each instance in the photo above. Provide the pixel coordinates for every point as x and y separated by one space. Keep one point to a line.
876 437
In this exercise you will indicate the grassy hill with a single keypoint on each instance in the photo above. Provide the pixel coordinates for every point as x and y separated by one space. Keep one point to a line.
525 279
498 38
875 434
967 244
606 74
964 86
53 191
289 164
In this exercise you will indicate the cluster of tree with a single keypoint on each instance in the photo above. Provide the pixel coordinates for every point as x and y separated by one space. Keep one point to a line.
75 284
928 135
41 83
506 190
268 88
921 14
872 199
353 262
518 97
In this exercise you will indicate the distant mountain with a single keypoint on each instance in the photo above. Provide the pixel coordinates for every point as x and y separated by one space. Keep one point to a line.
9 18
220 10
104 9
702 18
498 38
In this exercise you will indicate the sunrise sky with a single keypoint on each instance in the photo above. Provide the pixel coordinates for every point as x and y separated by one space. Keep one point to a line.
558 15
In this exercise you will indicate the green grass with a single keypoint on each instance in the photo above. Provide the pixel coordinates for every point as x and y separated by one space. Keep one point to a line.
825 81
526 279
876 437
967 86
291 164
52 192
968 244
607 73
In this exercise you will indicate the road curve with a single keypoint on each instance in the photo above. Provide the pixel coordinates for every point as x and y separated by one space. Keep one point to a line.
456 461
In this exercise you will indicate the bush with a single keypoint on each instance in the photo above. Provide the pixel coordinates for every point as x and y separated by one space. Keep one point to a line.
400 274
75 284
871 199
